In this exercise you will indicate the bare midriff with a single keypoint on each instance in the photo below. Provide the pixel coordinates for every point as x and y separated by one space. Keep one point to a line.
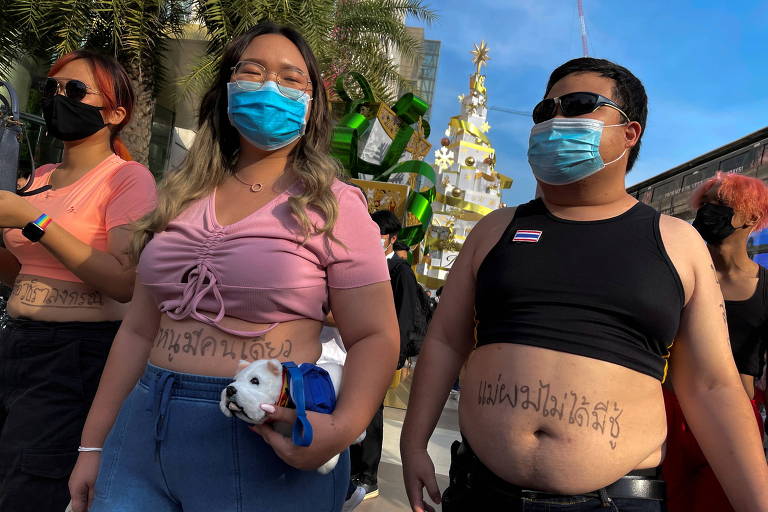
189 346
54 300
558 422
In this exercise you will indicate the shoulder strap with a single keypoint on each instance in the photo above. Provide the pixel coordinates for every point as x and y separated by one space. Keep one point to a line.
24 191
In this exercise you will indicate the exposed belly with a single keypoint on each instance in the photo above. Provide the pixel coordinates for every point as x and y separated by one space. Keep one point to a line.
190 346
53 300
557 422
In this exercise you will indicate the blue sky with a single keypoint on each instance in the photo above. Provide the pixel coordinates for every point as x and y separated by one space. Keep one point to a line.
704 65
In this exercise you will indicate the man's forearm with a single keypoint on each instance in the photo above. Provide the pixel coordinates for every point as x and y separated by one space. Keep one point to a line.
435 373
725 427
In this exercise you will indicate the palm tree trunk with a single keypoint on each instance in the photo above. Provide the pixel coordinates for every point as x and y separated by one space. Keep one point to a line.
138 132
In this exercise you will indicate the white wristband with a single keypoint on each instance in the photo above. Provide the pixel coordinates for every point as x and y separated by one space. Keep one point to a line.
87 449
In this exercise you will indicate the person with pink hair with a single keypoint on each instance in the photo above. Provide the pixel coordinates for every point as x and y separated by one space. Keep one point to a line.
730 207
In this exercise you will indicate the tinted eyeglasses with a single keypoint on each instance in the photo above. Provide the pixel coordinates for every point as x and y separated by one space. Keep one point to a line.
71 88
572 104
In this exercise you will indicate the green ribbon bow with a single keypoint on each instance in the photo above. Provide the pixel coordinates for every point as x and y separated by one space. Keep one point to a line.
344 146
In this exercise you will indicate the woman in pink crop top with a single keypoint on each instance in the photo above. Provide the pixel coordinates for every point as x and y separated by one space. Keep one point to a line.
65 256
253 243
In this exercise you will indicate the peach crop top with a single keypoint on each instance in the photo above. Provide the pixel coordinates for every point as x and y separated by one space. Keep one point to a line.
113 193
257 269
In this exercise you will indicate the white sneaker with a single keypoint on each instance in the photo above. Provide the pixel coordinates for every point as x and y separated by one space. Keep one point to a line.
354 500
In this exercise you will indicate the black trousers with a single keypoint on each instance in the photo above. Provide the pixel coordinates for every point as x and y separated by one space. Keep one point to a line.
473 487
365 456
49 373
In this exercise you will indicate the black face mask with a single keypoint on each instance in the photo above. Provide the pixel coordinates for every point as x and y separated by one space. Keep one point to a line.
713 222
68 119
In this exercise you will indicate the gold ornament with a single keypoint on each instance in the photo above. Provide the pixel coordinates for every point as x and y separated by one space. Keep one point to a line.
445 141
456 192
477 84
480 55
470 161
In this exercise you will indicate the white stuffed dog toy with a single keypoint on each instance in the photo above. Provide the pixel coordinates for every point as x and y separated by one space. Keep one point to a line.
262 382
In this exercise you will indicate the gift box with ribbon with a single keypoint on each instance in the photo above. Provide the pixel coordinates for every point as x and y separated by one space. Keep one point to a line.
379 143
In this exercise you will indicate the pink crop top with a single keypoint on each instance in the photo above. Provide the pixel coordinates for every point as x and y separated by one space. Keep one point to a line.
257 269
112 194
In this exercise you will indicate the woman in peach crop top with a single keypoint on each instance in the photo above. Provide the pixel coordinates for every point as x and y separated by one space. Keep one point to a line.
71 278
254 242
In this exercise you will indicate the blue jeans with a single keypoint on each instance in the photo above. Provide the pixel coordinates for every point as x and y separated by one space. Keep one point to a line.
172 450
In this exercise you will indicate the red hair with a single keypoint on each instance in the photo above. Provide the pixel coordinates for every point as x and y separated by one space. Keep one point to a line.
113 84
748 196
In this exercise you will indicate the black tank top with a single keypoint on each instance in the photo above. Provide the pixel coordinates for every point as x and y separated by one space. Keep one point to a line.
747 324
603 289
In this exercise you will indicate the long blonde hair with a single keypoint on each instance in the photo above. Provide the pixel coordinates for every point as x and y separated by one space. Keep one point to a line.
214 152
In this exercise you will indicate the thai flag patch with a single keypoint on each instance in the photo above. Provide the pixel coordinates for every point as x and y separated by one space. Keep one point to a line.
527 235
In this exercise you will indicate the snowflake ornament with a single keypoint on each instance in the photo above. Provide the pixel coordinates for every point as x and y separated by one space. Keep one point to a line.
461 98
485 127
443 158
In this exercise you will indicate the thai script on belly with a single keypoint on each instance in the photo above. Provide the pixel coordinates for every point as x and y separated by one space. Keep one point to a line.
35 293
602 416
193 343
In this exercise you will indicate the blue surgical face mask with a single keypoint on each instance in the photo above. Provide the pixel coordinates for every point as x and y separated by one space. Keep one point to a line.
266 118
562 151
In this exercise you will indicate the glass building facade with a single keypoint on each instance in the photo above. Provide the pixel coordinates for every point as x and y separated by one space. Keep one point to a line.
427 75
420 72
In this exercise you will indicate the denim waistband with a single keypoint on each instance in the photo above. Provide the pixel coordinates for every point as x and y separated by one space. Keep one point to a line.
29 324
187 385
165 384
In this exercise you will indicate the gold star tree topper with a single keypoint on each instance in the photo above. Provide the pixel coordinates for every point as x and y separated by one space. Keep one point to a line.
480 55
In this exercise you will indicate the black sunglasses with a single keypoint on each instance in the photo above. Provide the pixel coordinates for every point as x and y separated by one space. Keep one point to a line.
572 104
74 89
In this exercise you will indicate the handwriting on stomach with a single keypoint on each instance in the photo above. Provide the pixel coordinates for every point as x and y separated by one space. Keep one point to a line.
571 408
193 343
36 293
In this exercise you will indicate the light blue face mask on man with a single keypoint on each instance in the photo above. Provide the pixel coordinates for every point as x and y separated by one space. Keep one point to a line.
562 151
265 117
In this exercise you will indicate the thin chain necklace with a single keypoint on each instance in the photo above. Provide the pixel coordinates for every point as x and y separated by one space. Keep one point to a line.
255 187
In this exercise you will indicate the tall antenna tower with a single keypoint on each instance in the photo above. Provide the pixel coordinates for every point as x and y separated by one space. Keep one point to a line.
583 26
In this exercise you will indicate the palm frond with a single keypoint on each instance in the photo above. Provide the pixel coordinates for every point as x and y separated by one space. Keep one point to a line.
70 23
197 81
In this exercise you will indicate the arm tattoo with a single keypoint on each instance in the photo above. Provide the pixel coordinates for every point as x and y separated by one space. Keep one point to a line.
722 304
35 293
195 344
725 315
577 410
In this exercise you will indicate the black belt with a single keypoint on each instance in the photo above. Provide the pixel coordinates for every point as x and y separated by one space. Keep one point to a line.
637 487
640 484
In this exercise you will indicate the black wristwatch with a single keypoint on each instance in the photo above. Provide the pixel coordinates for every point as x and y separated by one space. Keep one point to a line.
35 230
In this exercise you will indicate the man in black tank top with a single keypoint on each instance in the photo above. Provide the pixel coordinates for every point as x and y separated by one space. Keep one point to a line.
570 311
730 208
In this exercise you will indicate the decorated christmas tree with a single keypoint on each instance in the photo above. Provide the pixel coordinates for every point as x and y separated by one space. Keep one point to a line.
468 185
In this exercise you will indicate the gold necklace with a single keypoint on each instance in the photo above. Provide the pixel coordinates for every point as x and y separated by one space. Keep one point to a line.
255 187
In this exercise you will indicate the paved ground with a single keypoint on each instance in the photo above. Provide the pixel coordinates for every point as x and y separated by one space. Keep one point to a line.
392 497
